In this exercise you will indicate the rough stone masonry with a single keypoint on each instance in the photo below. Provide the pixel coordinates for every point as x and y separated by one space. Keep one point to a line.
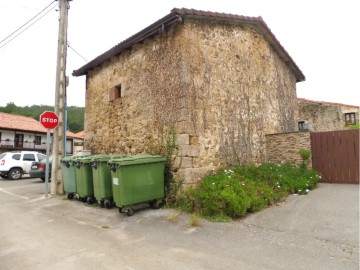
221 87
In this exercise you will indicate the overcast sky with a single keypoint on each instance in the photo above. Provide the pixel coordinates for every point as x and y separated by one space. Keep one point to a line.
322 37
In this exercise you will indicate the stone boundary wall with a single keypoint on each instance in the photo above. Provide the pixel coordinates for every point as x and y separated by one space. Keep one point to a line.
284 147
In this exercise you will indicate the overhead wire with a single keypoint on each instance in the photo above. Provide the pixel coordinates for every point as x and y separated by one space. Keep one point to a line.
68 44
13 33
29 21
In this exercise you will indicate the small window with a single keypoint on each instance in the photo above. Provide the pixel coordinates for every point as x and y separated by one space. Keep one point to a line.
303 126
350 119
78 143
115 93
16 156
37 140
0 136
29 157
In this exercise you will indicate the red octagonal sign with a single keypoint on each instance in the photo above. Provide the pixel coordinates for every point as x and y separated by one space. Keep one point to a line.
49 120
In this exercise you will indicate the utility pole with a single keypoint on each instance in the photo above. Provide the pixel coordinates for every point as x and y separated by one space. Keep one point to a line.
59 134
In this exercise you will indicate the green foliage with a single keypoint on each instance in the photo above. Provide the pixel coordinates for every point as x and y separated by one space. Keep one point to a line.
234 192
305 155
354 126
75 120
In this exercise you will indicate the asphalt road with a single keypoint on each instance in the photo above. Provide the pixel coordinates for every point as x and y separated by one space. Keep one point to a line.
316 231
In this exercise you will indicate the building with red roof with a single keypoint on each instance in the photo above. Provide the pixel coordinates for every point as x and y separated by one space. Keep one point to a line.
19 132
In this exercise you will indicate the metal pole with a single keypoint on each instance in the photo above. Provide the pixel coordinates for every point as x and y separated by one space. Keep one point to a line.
47 163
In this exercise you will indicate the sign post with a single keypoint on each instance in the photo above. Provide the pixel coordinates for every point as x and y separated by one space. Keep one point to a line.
50 121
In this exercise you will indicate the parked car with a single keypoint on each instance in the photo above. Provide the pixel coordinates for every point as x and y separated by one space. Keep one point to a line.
14 164
38 169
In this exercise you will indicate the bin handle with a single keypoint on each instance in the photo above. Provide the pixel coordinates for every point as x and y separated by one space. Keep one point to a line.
113 167
77 165
67 164
94 164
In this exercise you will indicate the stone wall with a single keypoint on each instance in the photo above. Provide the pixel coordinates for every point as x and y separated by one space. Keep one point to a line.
286 146
325 116
220 87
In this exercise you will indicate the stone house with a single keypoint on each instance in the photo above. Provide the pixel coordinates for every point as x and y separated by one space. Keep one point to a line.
318 116
218 82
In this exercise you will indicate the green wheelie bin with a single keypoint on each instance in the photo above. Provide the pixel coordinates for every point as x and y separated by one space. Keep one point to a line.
84 179
102 179
69 178
137 179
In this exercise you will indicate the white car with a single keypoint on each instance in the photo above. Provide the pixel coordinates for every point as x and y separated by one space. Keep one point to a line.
14 164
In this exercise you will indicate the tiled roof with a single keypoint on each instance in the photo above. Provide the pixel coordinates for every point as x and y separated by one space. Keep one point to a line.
80 134
24 123
73 135
18 122
177 16
326 103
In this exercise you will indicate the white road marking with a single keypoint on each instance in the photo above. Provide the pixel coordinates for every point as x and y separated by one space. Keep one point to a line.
13 194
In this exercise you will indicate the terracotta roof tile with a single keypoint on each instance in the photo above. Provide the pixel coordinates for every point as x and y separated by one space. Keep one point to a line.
19 122
73 135
327 103
80 134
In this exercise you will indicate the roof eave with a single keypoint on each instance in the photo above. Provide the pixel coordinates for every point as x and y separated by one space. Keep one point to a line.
146 32
177 15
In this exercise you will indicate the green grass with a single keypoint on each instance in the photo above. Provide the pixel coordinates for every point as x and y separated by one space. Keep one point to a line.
236 191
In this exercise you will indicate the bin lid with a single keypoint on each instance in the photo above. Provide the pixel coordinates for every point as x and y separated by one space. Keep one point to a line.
138 159
84 159
106 158
67 158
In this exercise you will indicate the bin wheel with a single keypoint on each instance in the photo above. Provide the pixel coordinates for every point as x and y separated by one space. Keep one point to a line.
83 199
120 210
101 202
70 196
130 212
107 204
157 204
90 200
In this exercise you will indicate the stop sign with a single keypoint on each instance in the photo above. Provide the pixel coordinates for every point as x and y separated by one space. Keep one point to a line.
49 120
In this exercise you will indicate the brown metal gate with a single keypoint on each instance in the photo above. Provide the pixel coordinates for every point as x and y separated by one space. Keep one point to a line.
335 155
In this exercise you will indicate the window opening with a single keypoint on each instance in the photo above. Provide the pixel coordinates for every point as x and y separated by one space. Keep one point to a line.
350 119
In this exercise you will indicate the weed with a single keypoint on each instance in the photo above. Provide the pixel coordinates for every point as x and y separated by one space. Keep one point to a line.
194 220
105 227
305 155
174 218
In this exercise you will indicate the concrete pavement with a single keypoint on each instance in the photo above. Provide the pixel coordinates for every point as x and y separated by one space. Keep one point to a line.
317 231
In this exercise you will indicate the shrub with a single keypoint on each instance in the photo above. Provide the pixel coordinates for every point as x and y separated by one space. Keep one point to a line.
233 192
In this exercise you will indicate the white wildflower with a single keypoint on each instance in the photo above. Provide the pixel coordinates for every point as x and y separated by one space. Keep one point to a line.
307 190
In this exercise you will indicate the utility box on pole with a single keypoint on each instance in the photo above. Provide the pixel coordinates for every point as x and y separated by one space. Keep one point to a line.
59 135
